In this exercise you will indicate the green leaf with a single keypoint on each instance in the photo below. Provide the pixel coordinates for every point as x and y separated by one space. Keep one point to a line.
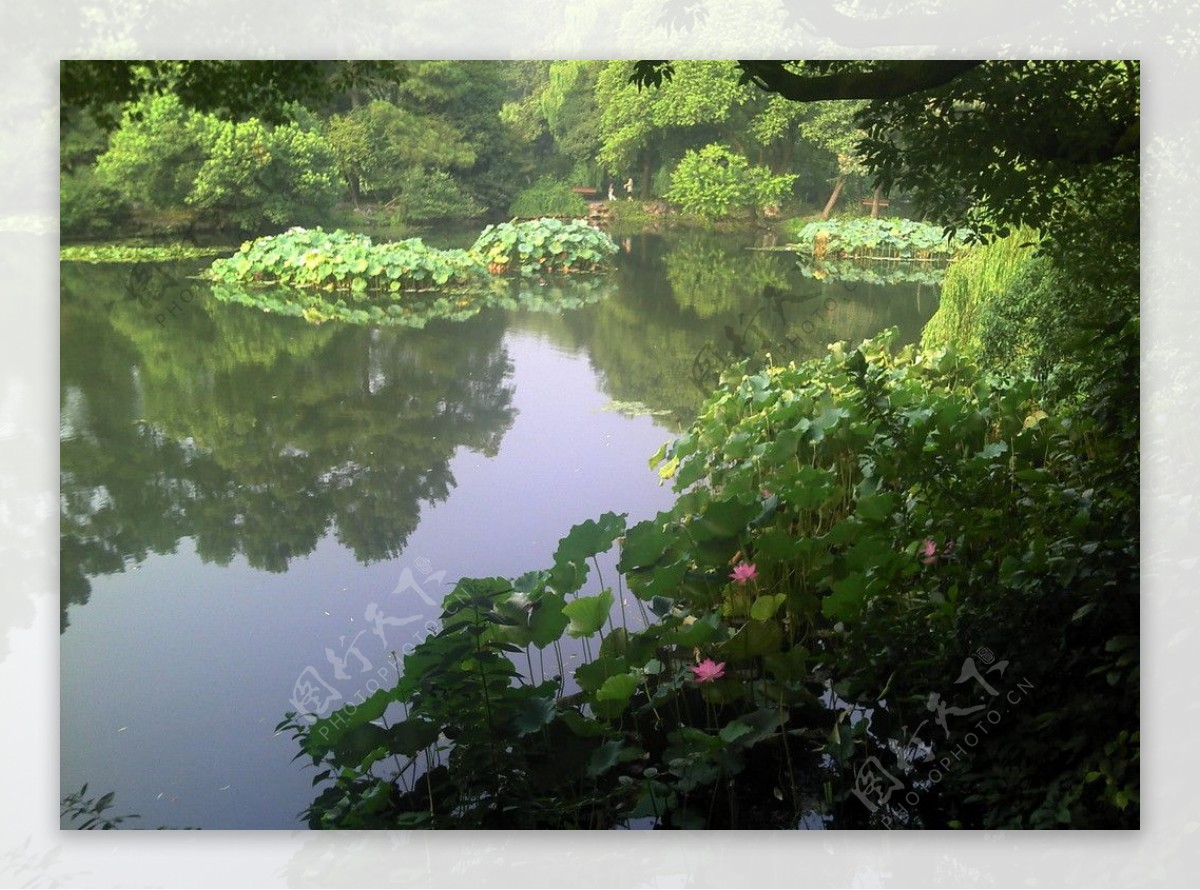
698 633
408 737
609 755
327 732
754 638
591 675
581 543
723 520
877 507
645 544
846 600
619 688
766 606
532 713
750 729
548 620
587 614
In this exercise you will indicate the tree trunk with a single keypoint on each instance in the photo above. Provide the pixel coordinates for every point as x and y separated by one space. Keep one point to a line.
837 190
875 202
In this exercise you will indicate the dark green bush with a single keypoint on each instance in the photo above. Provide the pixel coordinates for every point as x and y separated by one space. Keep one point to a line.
88 206
715 182
431 195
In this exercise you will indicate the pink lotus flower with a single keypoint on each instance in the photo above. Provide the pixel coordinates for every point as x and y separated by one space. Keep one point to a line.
743 572
708 670
930 550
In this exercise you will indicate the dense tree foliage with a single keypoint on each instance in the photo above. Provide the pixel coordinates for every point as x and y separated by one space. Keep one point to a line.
980 144
715 182
423 140
167 156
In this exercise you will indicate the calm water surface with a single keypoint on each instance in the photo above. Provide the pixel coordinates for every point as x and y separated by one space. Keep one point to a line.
256 511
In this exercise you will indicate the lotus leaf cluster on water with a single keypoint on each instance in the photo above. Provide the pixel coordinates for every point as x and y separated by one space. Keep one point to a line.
322 276
134 253
864 237
543 246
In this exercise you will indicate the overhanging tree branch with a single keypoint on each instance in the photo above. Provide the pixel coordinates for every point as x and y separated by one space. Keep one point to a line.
884 80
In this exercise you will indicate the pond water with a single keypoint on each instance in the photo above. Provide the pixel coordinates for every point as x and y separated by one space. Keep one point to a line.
256 511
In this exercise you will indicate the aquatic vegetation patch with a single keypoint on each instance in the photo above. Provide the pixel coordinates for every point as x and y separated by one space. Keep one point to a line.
543 246
338 275
865 238
868 272
348 262
125 253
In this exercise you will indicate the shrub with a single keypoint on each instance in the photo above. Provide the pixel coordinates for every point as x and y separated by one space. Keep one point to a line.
256 175
428 195
715 182
548 197
980 276
87 205
165 156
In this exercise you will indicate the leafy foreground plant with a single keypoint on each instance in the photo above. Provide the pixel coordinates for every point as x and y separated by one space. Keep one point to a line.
88 813
322 275
847 533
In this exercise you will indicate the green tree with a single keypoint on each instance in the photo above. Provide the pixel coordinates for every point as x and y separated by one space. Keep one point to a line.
167 157
716 182
469 95
153 158
984 145
232 90
380 146
256 174
643 129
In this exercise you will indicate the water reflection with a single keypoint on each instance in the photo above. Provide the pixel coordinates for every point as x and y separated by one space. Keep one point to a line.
256 435
692 303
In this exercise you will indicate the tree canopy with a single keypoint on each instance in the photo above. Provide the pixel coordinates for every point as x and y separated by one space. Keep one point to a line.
982 144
